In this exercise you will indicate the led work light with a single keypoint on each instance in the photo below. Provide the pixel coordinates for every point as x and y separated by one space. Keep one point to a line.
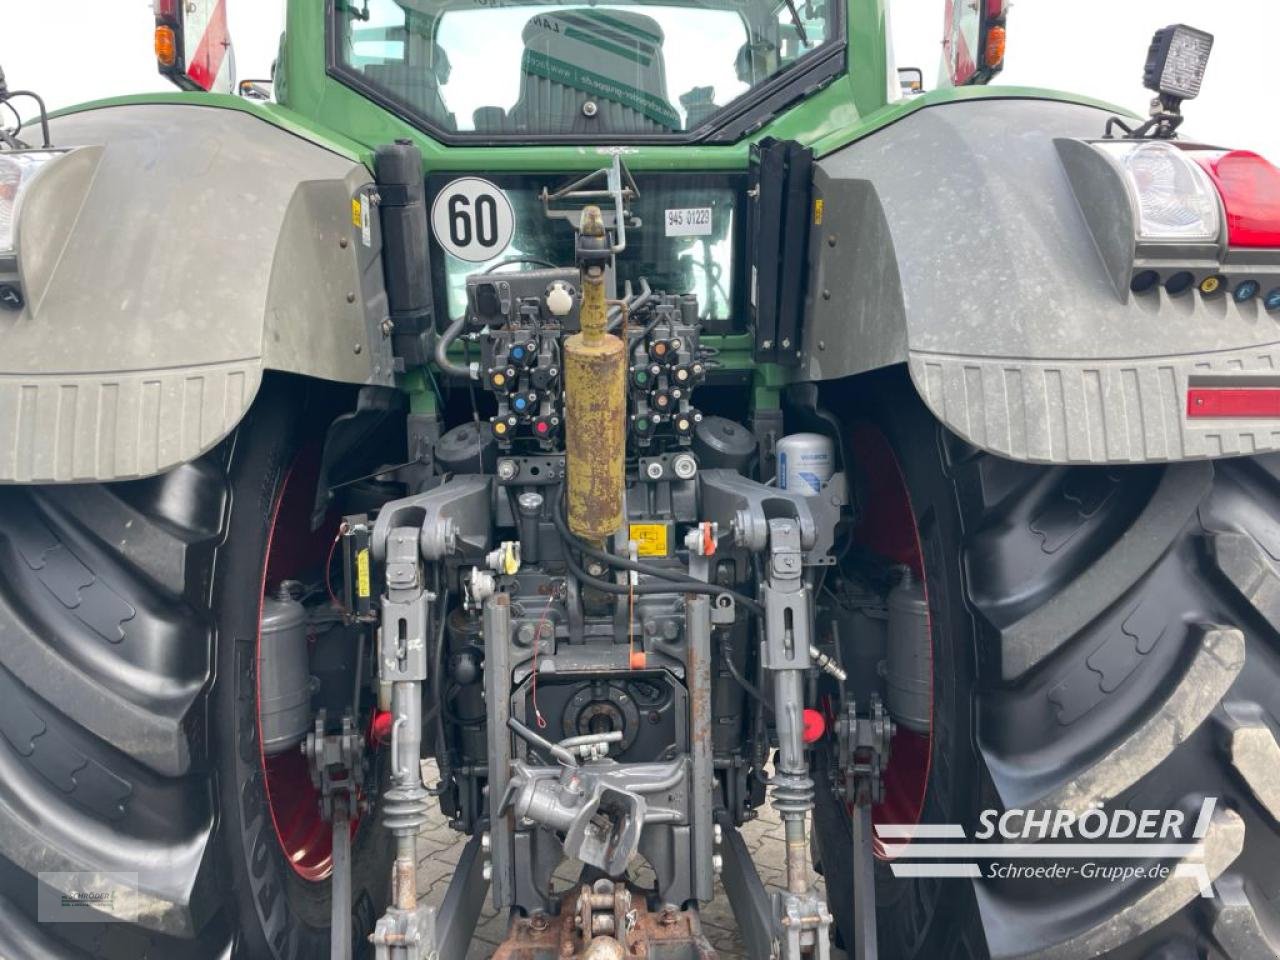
1176 63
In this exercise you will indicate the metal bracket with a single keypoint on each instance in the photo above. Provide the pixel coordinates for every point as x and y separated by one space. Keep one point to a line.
864 744
620 187
336 763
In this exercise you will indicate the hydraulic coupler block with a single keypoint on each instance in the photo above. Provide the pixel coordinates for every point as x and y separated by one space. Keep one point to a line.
595 391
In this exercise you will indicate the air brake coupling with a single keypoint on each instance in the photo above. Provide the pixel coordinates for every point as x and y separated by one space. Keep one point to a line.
595 391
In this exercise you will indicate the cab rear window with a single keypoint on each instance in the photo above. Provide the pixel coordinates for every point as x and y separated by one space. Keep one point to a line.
495 68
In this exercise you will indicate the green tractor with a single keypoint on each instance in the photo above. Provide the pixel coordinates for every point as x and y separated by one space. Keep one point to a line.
646 411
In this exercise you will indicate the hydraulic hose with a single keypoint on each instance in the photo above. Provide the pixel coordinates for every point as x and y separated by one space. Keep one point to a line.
726 651
447 366
679 583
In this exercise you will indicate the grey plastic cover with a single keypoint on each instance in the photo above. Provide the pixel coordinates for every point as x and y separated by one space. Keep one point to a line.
953 240
166 261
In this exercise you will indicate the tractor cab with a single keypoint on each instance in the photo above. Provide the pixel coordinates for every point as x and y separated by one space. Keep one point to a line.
621 71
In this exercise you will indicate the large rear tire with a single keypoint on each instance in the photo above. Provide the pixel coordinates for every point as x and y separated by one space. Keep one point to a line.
128 714
1091 628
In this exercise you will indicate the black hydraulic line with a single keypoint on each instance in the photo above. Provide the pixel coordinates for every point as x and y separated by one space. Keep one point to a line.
451 691
681 582
532 261
645 589
443 764
447 366
726 651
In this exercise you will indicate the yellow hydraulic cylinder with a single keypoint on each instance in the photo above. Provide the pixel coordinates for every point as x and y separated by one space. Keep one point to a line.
595 402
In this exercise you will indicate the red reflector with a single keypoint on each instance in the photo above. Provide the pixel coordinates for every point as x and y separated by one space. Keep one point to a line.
166 10
995 9
1250 190
1233 402
814 726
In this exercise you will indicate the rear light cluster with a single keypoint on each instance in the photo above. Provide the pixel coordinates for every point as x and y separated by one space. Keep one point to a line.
1193 205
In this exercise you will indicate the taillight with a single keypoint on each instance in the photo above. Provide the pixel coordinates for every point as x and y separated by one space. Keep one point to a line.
1250 191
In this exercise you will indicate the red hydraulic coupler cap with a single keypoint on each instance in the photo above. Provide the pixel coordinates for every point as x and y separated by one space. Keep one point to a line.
814 726
380 729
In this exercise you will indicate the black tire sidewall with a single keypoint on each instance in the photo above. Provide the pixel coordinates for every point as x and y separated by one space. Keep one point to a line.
280 915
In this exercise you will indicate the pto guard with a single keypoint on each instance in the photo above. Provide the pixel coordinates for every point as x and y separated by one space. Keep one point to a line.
170 258
988 261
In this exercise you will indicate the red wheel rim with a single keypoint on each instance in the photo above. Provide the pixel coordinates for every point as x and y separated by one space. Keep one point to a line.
305 837
889 529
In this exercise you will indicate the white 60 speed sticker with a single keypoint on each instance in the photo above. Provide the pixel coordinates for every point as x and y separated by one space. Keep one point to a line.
472 219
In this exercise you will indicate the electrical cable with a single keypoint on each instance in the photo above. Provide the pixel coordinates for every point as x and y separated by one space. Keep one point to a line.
44 112
538 718
328 566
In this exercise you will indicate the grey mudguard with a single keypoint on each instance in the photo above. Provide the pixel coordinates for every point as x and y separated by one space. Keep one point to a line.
953 240
169 259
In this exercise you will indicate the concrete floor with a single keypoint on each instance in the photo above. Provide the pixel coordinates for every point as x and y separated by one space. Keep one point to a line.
438 849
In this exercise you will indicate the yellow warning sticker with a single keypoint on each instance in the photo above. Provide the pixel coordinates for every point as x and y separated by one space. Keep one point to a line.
817 212
362 573
651 539
355 212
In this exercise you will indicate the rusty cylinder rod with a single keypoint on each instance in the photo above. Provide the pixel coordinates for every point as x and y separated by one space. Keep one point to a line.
595 399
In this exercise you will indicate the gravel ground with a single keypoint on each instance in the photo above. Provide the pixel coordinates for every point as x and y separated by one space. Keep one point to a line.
439 847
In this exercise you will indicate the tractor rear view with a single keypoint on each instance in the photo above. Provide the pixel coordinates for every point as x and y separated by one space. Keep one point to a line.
647 412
